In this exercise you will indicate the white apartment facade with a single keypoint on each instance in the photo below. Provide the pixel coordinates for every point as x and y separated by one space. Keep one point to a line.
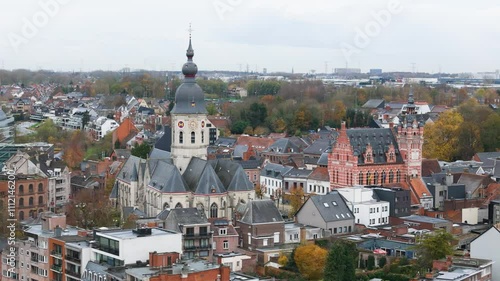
366 207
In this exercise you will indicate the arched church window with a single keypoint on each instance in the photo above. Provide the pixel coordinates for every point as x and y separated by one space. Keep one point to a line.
193 137
360 178
181 137
398 176
214 210
391 176
202 137
166 206
178 206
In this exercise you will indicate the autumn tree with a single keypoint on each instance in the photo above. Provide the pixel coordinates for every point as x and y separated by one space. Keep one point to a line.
432 247
469 140
310 260
296 200
74 149
260 190
341 261
441 137
91 208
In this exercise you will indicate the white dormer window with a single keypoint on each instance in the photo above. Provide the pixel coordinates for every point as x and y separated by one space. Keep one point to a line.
223 231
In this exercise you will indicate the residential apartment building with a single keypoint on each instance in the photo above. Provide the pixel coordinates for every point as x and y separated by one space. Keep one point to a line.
271 178
398 198
35 258
195 228
121 246
366 206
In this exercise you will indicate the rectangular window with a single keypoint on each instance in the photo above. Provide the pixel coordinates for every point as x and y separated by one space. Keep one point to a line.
225 244
264 242
276 237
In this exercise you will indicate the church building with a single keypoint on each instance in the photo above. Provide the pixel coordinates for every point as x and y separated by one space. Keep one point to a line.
183 177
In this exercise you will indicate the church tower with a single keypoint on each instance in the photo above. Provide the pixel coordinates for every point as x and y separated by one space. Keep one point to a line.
190 135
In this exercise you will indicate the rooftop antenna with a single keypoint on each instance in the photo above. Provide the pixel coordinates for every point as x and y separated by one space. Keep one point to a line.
413 67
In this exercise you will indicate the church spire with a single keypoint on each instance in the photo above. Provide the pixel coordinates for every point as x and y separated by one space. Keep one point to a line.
189 69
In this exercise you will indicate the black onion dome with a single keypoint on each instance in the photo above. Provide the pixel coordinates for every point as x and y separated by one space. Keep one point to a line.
189 97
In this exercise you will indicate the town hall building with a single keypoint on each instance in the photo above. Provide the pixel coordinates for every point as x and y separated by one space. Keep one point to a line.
378 156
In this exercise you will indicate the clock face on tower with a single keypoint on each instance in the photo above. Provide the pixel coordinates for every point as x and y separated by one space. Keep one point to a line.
192 125
180 124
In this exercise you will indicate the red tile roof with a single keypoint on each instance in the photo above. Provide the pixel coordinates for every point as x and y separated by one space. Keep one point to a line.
429 167
257 143
320 173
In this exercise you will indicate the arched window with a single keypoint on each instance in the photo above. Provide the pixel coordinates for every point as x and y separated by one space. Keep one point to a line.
181 137
368 178
375 177
391 176
178 206
40 200
360 181
21 188
398 176
21 215
30 188
383 177
193 137
337 176
214 210
166 206
30 201
21 202
32 214
200 206
202 136
40 187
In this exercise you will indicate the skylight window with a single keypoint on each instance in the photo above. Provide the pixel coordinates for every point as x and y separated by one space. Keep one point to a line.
334 203
326 205
342 216
337 216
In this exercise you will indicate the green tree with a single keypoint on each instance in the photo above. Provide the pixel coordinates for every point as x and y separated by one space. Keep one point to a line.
142 150
432 247
311 260
46 130
490 133
370 264
85 119
341 261
382 262
238 127
469 140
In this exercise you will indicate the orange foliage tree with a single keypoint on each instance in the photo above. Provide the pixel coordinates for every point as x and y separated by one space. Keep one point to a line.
310 260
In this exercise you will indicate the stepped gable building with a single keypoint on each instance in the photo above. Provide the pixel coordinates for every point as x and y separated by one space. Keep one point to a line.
183 177
378 156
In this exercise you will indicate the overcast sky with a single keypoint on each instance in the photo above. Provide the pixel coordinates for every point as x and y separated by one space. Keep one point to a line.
451 35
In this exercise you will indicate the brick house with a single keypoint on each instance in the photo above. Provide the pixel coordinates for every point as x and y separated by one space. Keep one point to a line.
225 237
259 224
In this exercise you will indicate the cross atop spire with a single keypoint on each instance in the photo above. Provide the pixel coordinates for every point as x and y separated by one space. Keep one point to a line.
190 30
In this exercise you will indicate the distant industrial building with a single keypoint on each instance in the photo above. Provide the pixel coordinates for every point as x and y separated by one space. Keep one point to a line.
375 71
343 71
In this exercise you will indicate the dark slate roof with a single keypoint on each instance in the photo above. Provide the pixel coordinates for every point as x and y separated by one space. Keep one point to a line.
232 175
275 170
283 146
165 142
318 147
374 103
201 178
163 214
332 207
114 191
250 164
146 110
239 150
166 178
157 153
127 171
323 159
379 139
260 211
226 142
488 158
187 216
128 211
298 173
496 170
93 267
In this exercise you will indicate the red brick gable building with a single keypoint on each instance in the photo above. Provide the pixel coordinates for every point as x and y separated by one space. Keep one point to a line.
376 156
